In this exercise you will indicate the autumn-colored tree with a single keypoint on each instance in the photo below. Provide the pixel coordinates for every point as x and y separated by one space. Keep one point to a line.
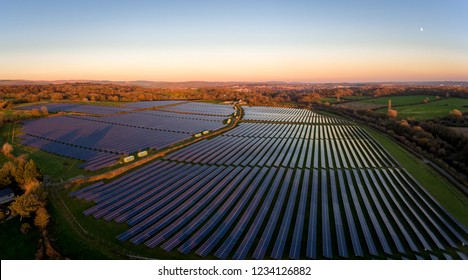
35 113
56 97
30 186
27 203
8 167
392 113
311 97
456 114
5 173
31 171
42 218
5 177
26 171
404 123
6 104
21 158
7 148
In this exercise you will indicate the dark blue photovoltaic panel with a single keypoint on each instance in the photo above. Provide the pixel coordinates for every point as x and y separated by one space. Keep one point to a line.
296 185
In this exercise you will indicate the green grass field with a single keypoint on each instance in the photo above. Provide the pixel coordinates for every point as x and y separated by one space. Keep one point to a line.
431 110
377 103
355 97
64 233
439 187
328 99
17 246
397 100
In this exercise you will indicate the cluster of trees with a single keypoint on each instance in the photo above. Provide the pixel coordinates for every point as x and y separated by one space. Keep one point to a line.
24 177
30 203
16 115
455 119
256 94
445 146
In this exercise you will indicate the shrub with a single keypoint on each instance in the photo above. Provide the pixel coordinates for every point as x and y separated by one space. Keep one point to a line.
7 149
456 114
25 228
392 113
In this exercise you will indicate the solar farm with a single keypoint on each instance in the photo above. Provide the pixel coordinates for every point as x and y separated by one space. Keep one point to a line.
283 184
102 140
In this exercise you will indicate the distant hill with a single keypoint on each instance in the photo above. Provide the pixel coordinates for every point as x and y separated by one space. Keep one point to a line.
148 84
201 84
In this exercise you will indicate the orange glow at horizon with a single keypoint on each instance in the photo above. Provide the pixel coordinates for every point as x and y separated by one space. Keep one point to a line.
298 65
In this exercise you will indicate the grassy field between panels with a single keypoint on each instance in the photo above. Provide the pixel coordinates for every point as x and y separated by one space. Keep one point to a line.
439 187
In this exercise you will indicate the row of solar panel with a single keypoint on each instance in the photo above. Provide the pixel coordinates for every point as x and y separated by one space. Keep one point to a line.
279 114
202 108
271 130
221 210
94 159
178 106
101 136
286 152
157 122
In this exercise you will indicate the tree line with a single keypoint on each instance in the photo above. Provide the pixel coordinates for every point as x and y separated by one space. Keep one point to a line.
255 94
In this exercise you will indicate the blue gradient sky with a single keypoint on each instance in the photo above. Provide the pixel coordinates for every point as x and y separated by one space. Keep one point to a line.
314 41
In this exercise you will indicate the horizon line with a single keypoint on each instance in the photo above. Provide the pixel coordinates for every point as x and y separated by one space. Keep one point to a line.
234 81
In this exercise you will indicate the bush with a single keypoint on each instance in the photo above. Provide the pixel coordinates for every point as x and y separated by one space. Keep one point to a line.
7 149
25 228
392 113
456 114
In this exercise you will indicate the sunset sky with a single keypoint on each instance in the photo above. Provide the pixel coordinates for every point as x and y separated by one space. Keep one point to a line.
307 41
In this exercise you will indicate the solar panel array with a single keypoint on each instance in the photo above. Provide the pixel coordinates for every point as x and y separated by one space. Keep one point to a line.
279 114
151 104
301 146
160 121
202 108
94 160
268 190
79 108
100 141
